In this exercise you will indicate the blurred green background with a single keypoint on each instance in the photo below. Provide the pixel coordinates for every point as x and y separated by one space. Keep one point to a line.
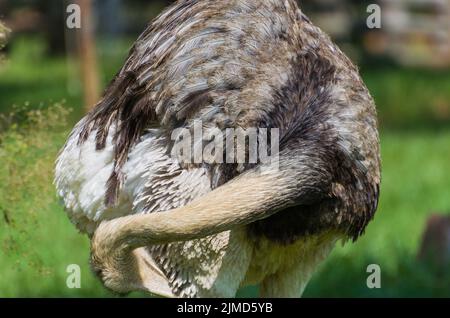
41 98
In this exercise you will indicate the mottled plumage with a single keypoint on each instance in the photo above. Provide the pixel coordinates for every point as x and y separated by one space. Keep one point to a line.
230 64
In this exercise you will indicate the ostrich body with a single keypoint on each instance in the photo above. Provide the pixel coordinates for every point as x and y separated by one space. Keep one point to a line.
205 230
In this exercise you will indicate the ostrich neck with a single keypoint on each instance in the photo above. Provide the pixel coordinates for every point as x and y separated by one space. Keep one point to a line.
252 196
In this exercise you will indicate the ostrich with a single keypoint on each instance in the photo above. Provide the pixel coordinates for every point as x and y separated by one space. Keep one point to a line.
178 229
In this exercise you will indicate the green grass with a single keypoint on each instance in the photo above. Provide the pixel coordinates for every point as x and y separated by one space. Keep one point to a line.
410 98
30 77
37 241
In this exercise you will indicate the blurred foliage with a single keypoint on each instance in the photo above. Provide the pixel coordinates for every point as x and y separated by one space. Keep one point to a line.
410 98
4 34
30 76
